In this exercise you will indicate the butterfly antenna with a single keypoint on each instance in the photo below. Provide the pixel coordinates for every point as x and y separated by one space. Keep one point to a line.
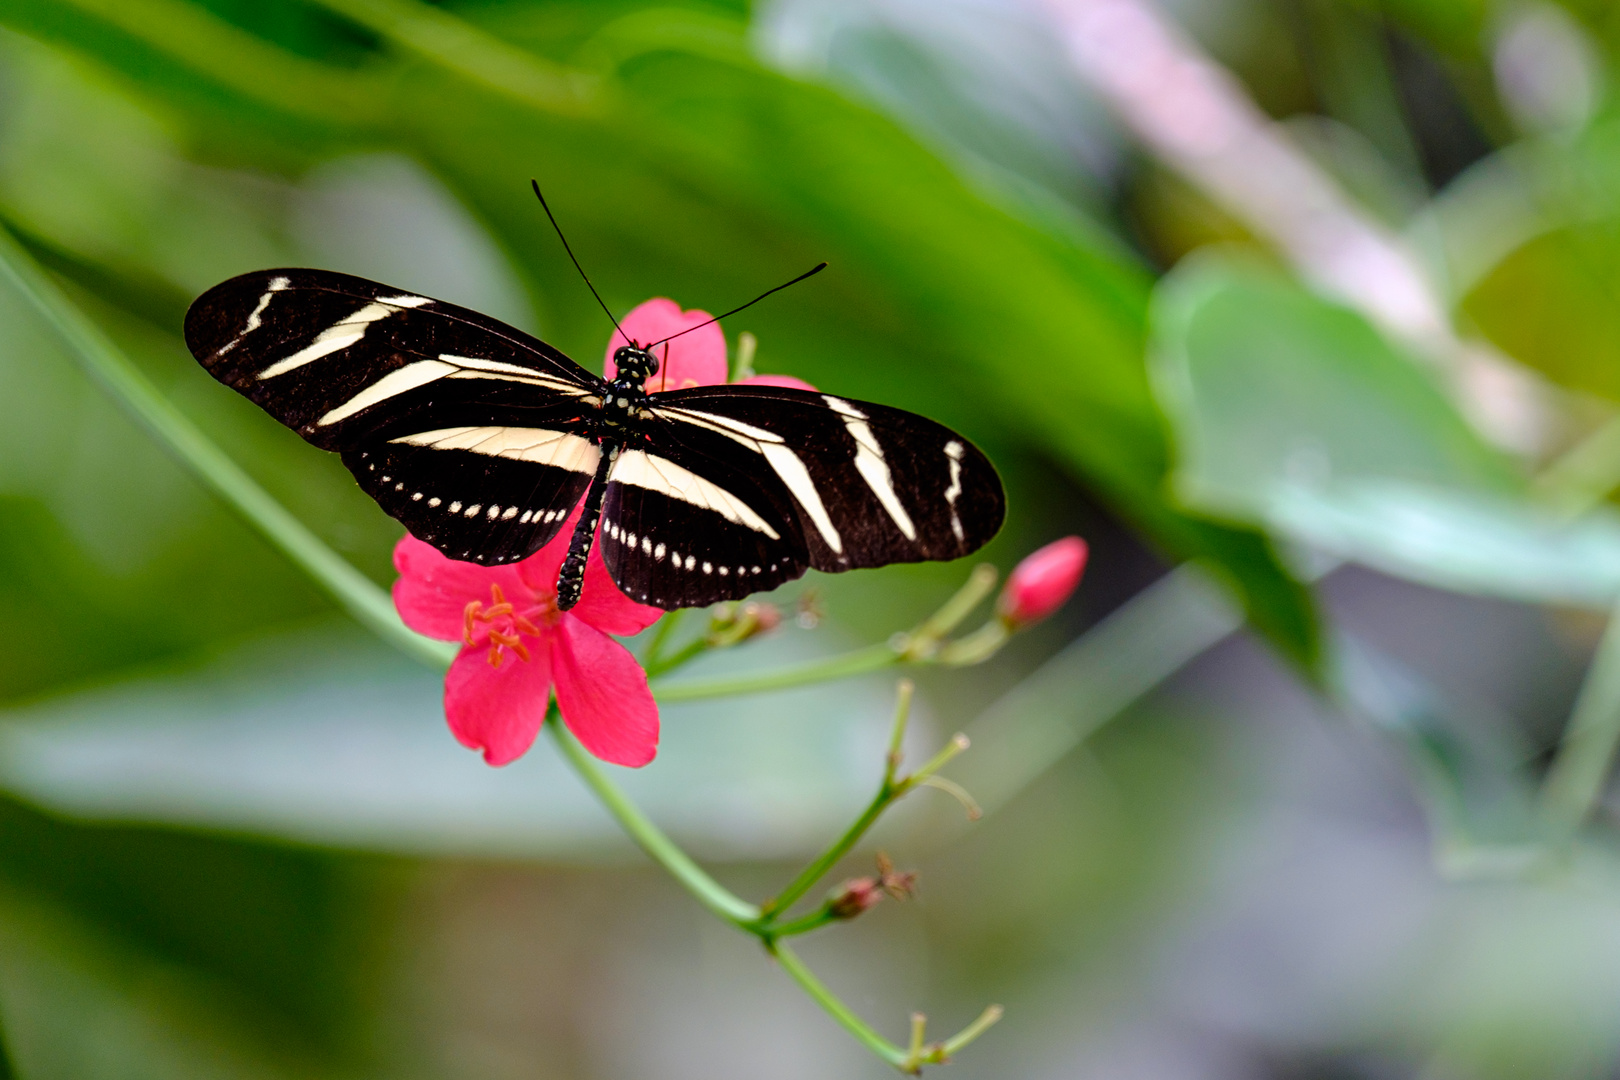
818 268
536 185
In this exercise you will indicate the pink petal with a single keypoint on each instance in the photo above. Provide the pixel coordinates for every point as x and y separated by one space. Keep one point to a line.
602 694
605 607
786 381
498 710
1044 579
432 591
695 359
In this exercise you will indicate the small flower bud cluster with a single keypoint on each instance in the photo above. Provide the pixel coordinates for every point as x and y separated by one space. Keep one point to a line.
732 624
859 894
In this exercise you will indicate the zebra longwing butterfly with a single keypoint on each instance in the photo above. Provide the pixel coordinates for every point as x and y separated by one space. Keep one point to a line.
481 440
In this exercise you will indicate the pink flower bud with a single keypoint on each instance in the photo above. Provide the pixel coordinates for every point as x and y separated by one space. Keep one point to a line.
1043 581
854 897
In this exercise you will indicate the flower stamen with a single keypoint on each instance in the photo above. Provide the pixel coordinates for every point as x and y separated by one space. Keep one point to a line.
507 637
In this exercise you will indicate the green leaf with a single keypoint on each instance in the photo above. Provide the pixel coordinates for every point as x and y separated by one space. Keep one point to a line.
83 1004
262 942
1295 414
1269 386
1554 304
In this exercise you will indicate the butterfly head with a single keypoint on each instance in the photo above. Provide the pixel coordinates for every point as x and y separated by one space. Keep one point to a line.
634 364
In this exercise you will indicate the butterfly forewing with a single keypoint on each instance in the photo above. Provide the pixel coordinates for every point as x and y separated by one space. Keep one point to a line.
470 432
870 485
346 362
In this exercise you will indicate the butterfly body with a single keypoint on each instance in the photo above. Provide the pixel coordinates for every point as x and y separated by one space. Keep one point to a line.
482 440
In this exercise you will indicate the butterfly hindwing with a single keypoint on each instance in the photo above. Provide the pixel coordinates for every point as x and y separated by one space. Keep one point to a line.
682 530
869 485
345 362
481 494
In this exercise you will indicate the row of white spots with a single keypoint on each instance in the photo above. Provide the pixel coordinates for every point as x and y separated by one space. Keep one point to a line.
277 284
344 333
493 511
688 562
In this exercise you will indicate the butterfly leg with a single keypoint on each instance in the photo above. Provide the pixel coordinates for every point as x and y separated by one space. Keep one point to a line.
571 578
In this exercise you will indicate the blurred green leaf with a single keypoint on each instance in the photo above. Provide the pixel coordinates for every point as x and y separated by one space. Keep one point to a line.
1296 414
1555 304
84 1004
275 935
1455 26
1269 386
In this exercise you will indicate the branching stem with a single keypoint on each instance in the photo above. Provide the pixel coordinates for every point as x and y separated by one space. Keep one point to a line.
708 892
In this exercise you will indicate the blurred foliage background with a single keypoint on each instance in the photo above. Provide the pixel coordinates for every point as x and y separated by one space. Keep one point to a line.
1352 384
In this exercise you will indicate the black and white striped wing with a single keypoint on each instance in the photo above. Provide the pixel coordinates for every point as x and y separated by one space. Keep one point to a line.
470 432
492 494
826 482
684 529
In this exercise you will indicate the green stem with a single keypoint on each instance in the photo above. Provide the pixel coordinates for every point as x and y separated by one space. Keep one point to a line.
978 586
888 791
818 918
683 656
710 893
904 690
922 645
835 1008
985 1021
858 662
357 594
1575 781
660 638
828 859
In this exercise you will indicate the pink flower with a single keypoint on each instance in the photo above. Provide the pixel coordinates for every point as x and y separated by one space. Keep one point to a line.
1041 583
517 646
695 359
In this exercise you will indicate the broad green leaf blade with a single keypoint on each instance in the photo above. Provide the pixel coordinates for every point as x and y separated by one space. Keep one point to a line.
1270 387
1296 415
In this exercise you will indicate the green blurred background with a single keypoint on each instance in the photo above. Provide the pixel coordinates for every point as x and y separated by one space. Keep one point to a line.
236 839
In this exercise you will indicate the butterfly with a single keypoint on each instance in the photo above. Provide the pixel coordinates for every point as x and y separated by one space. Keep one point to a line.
482 440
